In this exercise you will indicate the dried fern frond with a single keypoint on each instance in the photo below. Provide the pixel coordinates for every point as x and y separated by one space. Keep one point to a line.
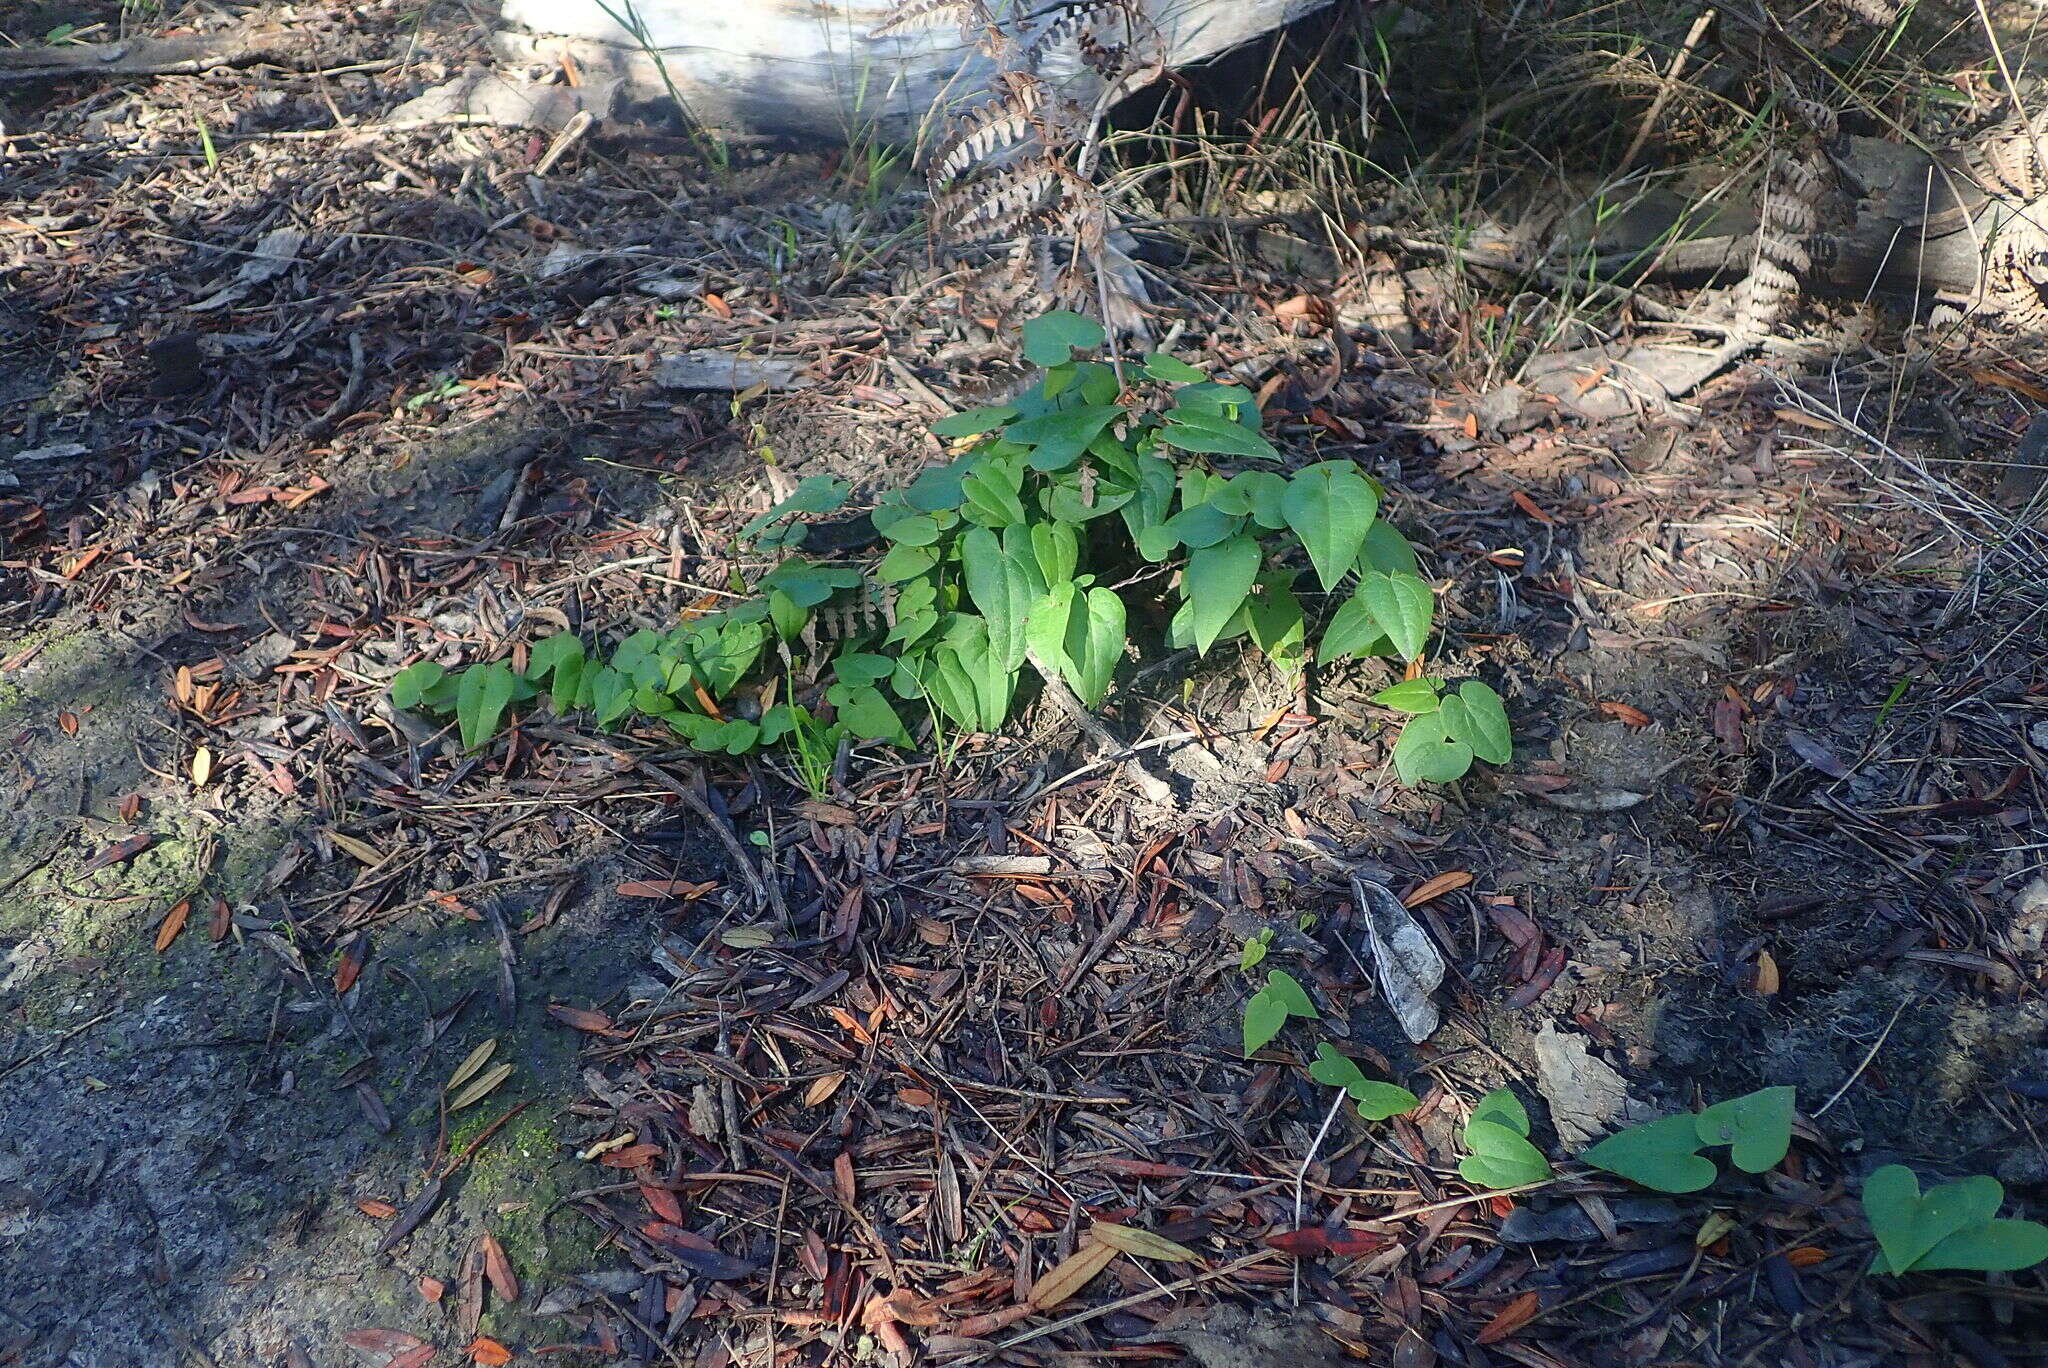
1080 26
980 133
970 15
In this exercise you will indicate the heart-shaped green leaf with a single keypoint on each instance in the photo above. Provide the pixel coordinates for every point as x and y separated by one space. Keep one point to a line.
1050 340
1338 1071
1663 1155
1215 584
1993 1247
973 422
1756 1126
1411 695
1171 369
1376 1100
1276 620
481 699
1330 506
1004 581
1502 1108
1351 630
1426 754
1386 550
1403 606
1482 723
1289 993
1264 1015
410 685
1216 437
1908 1226
1500 1157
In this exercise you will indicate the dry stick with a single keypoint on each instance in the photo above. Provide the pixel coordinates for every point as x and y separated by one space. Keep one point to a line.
1670 83
56 1044
767 890
1871 1054
1125 1303
351 394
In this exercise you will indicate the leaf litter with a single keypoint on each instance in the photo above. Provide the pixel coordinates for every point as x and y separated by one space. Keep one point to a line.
934 1090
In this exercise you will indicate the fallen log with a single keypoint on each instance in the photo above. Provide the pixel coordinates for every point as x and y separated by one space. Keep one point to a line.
802 68
184 55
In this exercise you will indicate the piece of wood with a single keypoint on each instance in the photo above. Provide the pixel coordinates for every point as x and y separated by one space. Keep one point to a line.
186 55
811 68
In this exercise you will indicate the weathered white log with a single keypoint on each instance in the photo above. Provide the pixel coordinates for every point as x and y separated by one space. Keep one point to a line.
811 67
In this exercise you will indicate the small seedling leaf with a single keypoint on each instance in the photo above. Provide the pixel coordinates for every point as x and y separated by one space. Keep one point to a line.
973 422
1411 695
1403 606
1483 723
1216 583
1426 753
1503 1108
1662 1155
1289 993
1908 1225
409 686
1264 1015
1172 370
1757 1127
1500 1157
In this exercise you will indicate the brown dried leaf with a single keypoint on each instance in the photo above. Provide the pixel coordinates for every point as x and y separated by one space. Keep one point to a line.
498 1269
120 850
361 849
1512 1318
471 1062
1433 888
1143 1243
822 1089
1070 1275
173 922
481 1087
597 1023
1626 714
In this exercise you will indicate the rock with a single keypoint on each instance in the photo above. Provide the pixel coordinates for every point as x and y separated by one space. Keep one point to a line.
1586 1097
1228 1336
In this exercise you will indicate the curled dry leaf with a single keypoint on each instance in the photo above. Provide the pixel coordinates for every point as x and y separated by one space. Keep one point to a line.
488 1352
202 767
1405 960
1626 714
822 1088
1433 888
374 1209
498 1269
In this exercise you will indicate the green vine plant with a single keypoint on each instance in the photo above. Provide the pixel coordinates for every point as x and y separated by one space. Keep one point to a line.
1955 1226
1020 551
